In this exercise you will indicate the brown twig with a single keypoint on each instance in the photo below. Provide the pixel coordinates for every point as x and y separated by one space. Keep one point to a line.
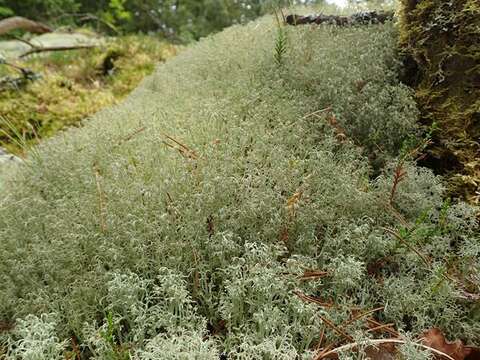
324 351
383 327
335 328
361 315
380 327
101 199
320 340
17 38
318 112
405 242
75 347
182 148
399 174
398 216
312 299
313 275
133 134
378 342
56 48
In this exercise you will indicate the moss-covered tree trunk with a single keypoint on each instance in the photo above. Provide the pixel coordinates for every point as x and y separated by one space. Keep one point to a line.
441 39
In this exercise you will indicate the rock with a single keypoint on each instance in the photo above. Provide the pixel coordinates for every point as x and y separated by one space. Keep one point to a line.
13 49
5 157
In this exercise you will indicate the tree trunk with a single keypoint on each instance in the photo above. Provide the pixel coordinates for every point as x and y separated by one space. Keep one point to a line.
20 23
440 41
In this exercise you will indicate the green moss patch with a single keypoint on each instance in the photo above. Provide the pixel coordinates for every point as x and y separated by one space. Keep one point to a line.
75 85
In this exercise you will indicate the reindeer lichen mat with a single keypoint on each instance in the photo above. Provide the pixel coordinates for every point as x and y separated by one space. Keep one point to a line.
254 199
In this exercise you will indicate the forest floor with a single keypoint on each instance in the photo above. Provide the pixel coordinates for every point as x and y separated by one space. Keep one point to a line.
74 85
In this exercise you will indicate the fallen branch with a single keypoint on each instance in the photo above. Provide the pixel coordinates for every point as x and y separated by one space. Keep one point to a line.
15 83
102 209
361 18
36 50
374 324
355 345
84 17
311 299
21 23
405 242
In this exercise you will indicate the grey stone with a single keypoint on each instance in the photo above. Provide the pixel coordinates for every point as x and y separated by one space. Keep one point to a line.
13 49
5 157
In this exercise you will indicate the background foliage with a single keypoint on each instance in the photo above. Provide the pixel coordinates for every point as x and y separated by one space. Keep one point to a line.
187 19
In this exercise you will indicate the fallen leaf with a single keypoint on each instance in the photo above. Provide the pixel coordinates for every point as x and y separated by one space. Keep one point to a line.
435 339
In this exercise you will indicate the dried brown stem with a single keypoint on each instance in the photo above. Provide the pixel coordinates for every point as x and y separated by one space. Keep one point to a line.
356 345
405 242
101 199
56 48
312 299
387 329
132 135
335 328
182 148
361 315
399 175
313 275
380 327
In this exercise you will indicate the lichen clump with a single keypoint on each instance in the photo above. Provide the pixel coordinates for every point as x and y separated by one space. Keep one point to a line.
442 38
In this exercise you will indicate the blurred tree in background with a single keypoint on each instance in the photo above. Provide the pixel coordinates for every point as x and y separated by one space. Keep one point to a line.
176 19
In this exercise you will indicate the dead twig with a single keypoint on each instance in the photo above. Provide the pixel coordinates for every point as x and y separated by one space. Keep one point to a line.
383 327
26 42
56 48
399 174
76 349
132 135
181 148
312 299
318 112
101 198
320 340
398 216
313 275
405 242
380 327
335 328
378 342
361 315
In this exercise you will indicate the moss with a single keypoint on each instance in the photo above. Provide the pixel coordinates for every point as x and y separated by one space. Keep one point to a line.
442 39
75 85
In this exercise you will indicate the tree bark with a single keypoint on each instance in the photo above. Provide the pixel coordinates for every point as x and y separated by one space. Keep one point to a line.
20 23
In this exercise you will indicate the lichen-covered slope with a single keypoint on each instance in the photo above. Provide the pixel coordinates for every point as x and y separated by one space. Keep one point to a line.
178 224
